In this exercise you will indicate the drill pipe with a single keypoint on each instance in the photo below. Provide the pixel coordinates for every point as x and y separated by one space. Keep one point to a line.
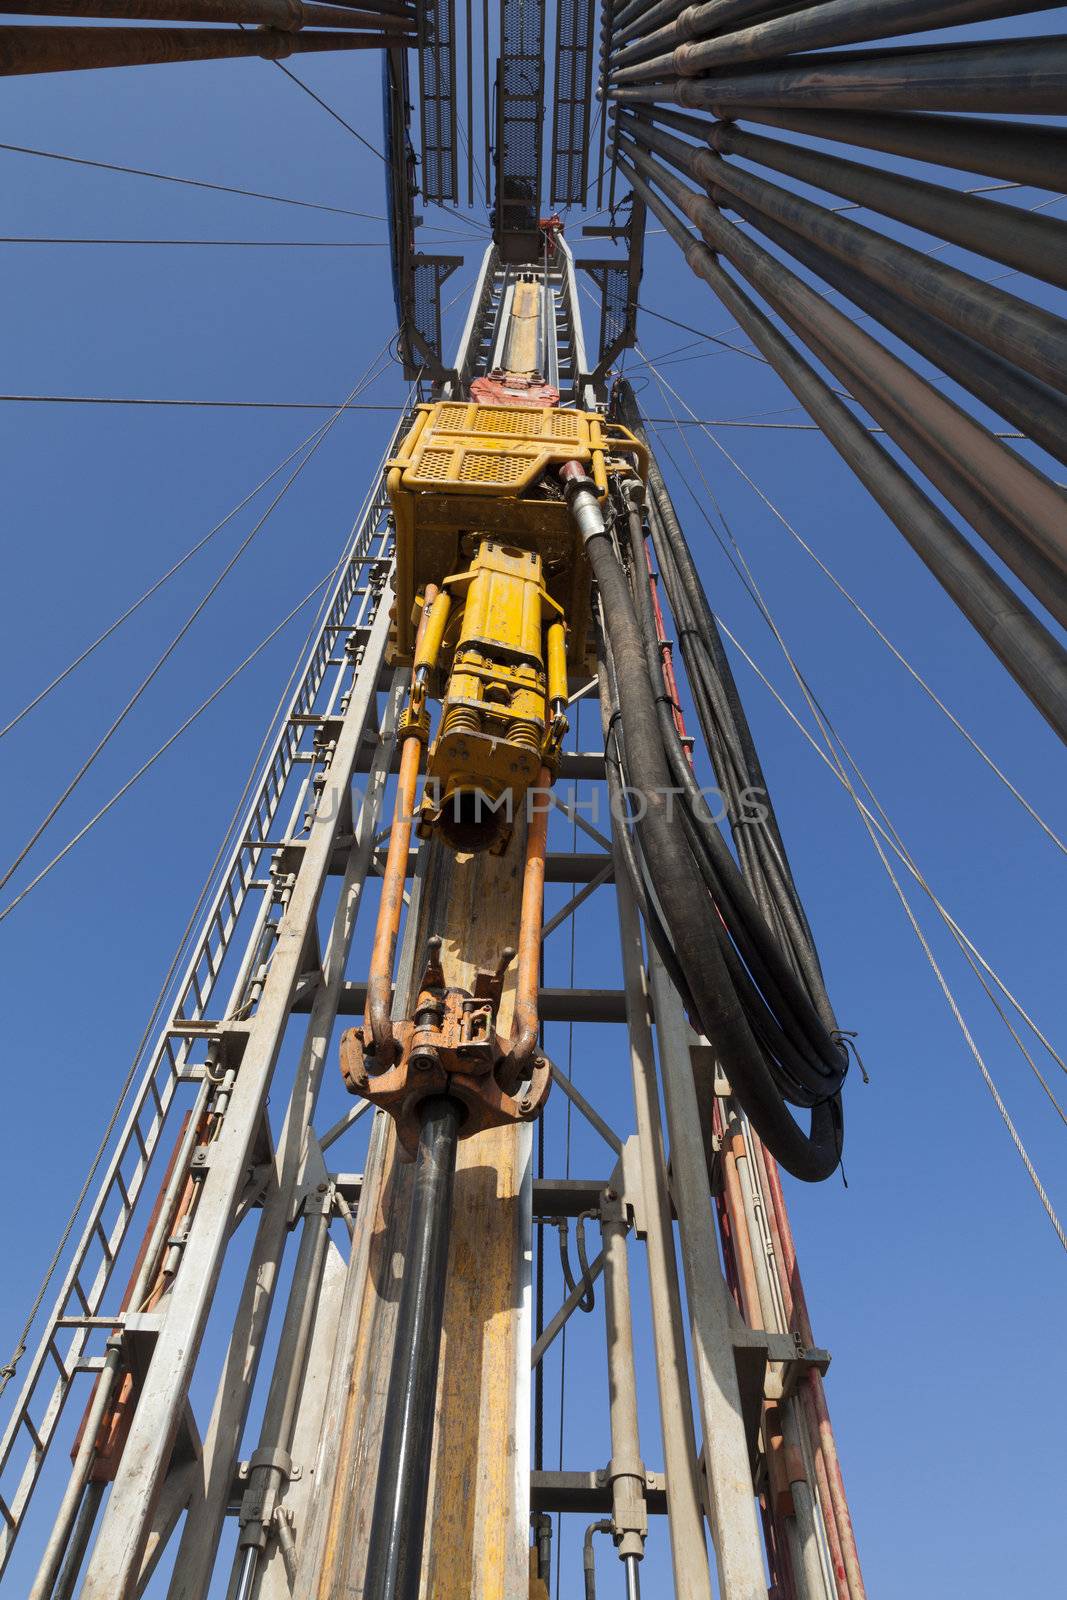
1035 660
1028 76
1024 495
1016 151
398 1525
1027 335
1024 240
61 49
813 28
1031 405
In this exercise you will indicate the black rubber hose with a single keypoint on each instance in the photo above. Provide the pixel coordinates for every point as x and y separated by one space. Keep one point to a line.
777 1005
679 888
609 704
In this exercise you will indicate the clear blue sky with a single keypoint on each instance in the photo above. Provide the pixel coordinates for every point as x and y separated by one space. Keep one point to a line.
934 1277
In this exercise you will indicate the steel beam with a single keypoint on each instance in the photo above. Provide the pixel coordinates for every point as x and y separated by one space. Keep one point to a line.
115 1562
731 1501
195 1561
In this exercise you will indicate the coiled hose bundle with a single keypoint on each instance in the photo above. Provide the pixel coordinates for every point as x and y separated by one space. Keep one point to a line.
734 938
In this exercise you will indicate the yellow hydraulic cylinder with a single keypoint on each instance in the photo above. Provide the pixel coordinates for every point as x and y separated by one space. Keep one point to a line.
502 713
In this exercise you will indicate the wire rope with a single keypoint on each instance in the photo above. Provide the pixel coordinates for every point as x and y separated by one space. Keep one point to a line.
225 844
161 750
321 434
830 738
152 589
861 612
336 115
192 183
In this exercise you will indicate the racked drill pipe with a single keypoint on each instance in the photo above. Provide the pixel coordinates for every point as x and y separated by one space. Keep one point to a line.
630 25
62 49
1028 77
1029 652
394 1555
1038 410
813 28
1027 335
1016 151
1028 499
1021 239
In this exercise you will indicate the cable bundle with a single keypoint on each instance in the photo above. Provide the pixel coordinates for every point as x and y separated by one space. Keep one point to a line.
735 938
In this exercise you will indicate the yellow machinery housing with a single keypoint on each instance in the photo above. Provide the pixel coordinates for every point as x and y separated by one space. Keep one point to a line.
481 516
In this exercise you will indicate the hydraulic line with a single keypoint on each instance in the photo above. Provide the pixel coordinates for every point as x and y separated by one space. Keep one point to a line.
760 1081
799 1045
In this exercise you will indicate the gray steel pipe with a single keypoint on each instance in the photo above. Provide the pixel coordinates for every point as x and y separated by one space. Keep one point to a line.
394 1554
1028 76
67 1517
62 49
267 1476
814 28
1016 151
1046 583
1031 405
1027 335
629 1516
1033 244
1023 494
1025 648
634 25
1028 499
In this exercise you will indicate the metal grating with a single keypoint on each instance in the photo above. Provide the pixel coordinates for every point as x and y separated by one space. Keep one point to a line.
520 127
428 274
437 99
614 305
572 98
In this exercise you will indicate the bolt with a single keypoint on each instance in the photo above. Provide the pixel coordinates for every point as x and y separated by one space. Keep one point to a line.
525 1105
322 1188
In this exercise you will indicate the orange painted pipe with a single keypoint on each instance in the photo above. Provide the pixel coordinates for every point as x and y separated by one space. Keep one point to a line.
383 955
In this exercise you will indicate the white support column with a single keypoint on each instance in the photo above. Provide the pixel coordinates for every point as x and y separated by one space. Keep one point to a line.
115 1563
731 1497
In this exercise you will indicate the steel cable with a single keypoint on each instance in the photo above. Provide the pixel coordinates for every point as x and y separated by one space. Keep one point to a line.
319 436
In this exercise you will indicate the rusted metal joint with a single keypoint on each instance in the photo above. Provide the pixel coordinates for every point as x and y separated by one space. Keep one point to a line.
449 1047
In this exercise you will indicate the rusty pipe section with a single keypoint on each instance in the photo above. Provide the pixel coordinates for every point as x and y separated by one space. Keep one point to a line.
1028 76
527 1021
813 27
25 49
1024 646
1027 335
414 728
1023 495
1018 152
288 15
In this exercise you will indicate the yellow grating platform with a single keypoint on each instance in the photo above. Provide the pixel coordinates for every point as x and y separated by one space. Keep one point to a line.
486 449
